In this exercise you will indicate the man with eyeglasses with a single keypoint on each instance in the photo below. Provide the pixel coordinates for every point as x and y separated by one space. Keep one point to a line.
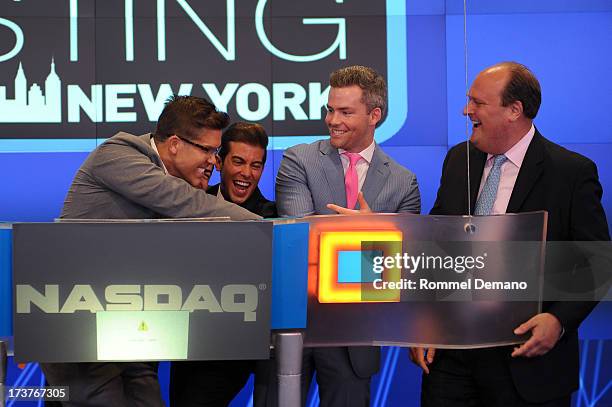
213 383
161 175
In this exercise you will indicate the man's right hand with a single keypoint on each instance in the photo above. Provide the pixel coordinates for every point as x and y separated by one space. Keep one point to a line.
422 357
363 205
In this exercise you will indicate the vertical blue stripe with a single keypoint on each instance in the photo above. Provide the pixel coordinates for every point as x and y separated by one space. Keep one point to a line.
129 30
384 367
161 30
74 31
289 275
596 371
6 294
314 394
390 375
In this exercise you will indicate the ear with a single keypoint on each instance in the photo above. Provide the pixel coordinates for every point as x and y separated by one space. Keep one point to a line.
516 110
375 116
173 144
218 163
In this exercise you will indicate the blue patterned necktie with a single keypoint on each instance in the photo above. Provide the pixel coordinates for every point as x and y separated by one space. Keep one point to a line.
485 201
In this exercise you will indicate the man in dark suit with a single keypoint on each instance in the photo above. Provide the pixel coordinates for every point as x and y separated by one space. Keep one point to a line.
215 383
513 168
333 171
143 177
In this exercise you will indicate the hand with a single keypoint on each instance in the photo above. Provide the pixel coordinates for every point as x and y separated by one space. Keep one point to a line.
545 332
422 357
364 208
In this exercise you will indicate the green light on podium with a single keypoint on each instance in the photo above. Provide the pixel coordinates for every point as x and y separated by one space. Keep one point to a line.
142 335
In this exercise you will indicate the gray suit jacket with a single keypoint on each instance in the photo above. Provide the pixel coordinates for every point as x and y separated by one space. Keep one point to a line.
311 176
124 179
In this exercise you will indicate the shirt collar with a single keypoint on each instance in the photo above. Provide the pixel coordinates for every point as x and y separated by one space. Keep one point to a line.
366 154
517 152
154 146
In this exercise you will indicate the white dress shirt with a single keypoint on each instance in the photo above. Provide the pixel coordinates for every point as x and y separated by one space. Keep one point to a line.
509 172
155 148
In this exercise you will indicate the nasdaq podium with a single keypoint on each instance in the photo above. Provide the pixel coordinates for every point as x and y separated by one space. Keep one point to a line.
197 290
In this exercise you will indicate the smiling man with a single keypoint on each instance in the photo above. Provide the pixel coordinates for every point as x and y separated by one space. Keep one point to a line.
161 175
241 163
513 169
334 171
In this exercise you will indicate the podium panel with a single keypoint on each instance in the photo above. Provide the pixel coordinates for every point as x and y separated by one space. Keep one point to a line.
87 292
365 279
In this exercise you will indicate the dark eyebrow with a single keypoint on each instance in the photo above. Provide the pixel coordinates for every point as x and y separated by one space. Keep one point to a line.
338 108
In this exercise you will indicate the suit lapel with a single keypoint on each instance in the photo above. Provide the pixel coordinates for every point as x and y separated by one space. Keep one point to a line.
376 177
529 174
332 168
477 164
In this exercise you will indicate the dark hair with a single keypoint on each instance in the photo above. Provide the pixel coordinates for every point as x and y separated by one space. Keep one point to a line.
522 86
185 115
242 132
371 83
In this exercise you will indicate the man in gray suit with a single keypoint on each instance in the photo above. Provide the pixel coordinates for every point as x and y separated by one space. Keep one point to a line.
334 171
164 175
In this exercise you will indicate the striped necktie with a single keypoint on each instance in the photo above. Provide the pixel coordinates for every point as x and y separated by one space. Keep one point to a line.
487 196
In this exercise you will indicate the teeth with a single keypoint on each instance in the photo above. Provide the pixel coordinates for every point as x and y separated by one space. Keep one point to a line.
243 184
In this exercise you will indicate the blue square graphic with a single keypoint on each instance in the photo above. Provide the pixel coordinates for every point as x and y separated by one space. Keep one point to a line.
350 266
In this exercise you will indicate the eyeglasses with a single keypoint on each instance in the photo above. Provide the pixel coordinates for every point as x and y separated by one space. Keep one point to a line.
206 149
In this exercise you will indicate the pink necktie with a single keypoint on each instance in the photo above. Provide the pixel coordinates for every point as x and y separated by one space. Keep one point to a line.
351 182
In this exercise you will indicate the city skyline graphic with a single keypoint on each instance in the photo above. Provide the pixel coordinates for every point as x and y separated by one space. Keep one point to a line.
32 106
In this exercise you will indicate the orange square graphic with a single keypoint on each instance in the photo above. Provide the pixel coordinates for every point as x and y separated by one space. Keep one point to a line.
389 242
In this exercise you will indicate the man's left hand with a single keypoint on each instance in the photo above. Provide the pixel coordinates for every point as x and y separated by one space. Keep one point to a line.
545 332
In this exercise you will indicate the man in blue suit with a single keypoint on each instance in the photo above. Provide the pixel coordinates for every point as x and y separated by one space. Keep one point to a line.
334 171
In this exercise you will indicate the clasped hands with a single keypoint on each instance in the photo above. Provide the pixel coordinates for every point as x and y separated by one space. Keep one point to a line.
545 333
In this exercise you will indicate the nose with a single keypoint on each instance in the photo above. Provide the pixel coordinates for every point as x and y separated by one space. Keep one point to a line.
245 171
211 159
331 118
468 109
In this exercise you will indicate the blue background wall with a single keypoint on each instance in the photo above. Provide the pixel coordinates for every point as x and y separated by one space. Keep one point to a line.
566 43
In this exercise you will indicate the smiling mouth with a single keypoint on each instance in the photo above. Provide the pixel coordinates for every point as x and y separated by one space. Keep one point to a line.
241 186
205 172
336 132
476 123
